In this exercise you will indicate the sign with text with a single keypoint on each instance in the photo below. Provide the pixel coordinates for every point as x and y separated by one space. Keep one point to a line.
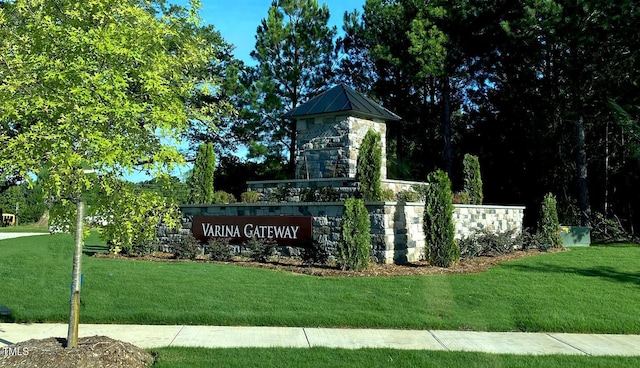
285 230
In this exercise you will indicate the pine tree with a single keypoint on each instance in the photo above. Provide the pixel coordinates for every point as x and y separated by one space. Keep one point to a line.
295 54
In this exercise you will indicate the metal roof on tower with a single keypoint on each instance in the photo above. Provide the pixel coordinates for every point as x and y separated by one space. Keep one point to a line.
341 99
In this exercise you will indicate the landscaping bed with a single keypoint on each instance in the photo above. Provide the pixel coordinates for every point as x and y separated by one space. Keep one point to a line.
94 351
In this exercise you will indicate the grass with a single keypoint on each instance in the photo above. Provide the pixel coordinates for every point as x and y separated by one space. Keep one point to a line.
593 290
370 358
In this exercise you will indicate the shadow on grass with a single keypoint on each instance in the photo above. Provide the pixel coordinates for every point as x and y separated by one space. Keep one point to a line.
91 250
607 273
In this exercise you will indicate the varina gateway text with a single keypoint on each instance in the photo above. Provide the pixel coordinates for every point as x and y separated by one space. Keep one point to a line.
250 231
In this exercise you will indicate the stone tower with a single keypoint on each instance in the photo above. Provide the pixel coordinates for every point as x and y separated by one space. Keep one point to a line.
330 128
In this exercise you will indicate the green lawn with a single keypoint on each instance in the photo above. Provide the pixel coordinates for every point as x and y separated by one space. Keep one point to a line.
593 289
370 358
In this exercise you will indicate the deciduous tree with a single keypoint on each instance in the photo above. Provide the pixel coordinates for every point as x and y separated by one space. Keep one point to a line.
96 85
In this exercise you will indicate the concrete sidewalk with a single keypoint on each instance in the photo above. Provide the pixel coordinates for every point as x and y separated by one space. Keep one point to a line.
299 337
18 235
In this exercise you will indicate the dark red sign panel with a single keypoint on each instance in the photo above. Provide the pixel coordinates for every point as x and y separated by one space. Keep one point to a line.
285 230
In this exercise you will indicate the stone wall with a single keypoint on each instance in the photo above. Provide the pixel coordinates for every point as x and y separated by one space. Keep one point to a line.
328 145
499 219
295 190
396 227
341 188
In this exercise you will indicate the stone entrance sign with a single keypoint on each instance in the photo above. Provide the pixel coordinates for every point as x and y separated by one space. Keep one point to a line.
330 128
285 230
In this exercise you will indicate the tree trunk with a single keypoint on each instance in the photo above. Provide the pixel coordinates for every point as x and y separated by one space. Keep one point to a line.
583 190
293 135
446 124
74 311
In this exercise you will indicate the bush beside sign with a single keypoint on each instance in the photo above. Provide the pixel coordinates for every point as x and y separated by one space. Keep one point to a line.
285 230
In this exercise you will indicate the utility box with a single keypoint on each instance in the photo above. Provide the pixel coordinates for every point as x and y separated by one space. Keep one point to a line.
575 236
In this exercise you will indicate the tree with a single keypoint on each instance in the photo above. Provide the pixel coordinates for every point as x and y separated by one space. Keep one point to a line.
441 249
201 180
415 54
559 65
98 86
171 188
549 226
28 200
369 165
295 51
354 248
472 179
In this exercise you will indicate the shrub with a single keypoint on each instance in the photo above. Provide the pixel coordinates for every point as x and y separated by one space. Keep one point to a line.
354 249
470 247
314 253
308 195
369 165
184 246
323 194
220 250
549 226
421 189
440 249
388 195
461 197
260 250
222 197
532 240
490 244
250 197
279 194
472 179
143 248
328 194
408 196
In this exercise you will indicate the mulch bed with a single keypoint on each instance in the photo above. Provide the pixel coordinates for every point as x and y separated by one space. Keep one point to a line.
94 351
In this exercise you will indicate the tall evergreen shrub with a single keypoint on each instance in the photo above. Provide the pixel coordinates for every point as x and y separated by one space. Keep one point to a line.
441 249
472 179
369 165
201 181
354 248
549 226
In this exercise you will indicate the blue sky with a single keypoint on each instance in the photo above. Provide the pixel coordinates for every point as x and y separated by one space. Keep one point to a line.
237 21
